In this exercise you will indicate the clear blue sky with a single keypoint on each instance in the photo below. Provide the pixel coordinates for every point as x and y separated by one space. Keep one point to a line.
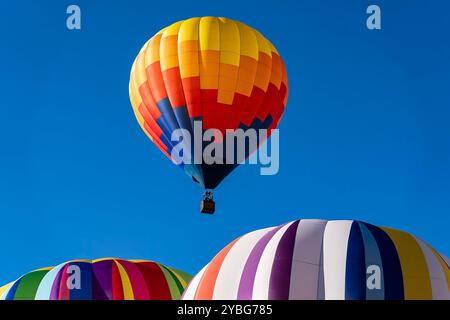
365 134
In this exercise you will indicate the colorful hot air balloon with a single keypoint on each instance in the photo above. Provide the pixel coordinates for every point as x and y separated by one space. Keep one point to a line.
214 70
318 259
102 279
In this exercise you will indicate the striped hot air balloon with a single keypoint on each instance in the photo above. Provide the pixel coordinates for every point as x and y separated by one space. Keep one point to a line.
318 259
214 70
102 279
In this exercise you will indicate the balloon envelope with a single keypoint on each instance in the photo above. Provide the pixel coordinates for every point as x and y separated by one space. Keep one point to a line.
318 259
102 279
214 70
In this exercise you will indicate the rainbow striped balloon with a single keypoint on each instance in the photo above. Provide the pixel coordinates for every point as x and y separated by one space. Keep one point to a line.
210 69
318 259
101 279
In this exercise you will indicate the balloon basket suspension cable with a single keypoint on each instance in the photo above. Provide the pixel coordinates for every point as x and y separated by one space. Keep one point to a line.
208 206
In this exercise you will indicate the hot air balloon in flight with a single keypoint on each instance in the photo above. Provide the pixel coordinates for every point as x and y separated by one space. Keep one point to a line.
205 74
318 259
101 279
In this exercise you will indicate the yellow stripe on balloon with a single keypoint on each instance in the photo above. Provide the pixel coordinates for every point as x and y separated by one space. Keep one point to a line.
42 269
169 47
229 60
248 60
135 97
188 30
79 260
126 283
139 70
188 46
171 30
5 288
249 43
416 276
152 50
209 34
169 53
103 259
229 46
209 53
263 44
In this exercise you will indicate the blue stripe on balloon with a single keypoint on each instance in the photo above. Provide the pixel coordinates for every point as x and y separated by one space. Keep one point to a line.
166 133
179 119
85 290
12 290
192 170
172 119
166 142
182 116
168 115
373 258
355 273
392 271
